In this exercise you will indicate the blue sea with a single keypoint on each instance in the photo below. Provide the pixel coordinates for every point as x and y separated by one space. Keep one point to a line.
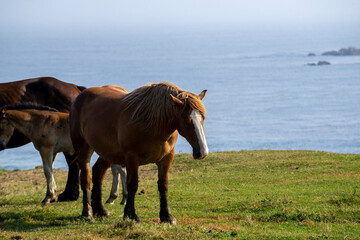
261 94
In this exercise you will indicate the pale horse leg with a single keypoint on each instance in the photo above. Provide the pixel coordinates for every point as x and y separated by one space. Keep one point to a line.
48 158
117 172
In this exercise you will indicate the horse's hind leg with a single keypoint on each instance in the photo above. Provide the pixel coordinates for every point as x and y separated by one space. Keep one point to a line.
84 153
122 171
118 172
115 184
71 192
48 157
163 169
85 178
132 180
99 170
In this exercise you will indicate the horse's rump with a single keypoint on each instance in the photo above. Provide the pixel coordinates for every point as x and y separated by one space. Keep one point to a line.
95 117
115 87
46 91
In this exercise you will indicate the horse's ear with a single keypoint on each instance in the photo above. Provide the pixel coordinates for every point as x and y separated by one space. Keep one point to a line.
177 101
202 94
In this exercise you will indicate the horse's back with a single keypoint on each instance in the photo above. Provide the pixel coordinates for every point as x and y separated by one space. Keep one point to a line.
115 87
47 91
51 128
95 99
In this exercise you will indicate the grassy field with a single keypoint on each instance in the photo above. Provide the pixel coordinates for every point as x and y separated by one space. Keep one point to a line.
228 195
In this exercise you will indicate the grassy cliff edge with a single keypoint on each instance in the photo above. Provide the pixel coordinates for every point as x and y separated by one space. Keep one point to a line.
242 195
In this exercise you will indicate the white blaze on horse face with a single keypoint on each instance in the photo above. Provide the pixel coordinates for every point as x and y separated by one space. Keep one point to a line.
199 130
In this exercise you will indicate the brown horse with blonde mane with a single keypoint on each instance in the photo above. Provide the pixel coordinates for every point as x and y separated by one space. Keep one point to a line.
134 129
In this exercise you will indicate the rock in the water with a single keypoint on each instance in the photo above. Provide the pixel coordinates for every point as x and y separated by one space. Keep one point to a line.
319 63
311 55
350 51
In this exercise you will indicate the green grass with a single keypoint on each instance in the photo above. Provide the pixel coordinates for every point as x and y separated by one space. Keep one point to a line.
228 195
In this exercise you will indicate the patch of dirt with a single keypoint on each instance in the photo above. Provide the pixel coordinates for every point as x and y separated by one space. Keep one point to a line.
211 223
290 182
342 174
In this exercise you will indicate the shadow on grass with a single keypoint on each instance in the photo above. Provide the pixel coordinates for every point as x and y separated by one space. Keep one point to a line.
31 220
24 203
353 199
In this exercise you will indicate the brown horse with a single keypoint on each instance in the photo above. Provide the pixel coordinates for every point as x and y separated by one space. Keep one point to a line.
134 129
47 129
49 92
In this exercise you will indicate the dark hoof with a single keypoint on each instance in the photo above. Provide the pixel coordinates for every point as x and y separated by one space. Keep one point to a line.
87 215
87 219
68 197
168 219
101 212
133 217
48 199
123 201
111 199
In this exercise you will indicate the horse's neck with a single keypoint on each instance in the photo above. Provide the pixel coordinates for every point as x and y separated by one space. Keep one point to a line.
22 121
166 133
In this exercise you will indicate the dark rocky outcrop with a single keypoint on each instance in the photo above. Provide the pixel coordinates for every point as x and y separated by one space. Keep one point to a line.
319 63
350 51
311 55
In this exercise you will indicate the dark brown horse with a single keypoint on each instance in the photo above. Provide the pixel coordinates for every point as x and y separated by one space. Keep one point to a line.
50 92
134 129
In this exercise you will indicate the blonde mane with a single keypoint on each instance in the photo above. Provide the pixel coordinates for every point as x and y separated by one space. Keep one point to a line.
153 106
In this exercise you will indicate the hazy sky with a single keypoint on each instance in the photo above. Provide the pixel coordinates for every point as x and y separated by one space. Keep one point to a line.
108 14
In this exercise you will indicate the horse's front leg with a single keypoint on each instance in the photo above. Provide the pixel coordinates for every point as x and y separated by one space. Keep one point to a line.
47 157
71 192
132 166
163 169
99 170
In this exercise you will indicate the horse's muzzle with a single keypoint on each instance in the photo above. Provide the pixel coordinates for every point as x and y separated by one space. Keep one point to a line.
199 153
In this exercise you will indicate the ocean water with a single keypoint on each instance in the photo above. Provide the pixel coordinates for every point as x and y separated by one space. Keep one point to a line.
261 94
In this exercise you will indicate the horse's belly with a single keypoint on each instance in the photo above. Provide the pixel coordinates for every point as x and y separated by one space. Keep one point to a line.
65 147
113 158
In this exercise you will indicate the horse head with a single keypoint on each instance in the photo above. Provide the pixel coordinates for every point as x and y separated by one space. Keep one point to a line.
190 124
6 129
